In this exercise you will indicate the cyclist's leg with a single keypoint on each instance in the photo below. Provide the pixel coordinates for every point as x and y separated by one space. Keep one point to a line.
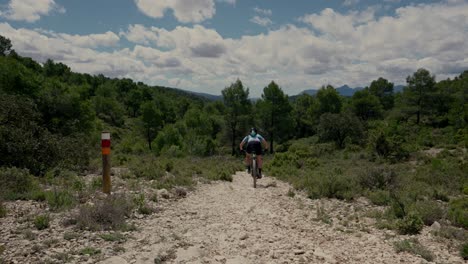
248 157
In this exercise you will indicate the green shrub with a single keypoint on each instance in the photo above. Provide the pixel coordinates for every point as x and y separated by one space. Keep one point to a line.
379 197
378 178
225 176
90 251
464 251
107 214
16 183
42 222
429 211
60 199
414 247
291 193
458 212
335 185
113 237
70 235
410 225
3 210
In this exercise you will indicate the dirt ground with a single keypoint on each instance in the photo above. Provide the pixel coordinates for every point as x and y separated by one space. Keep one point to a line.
228 222
222 222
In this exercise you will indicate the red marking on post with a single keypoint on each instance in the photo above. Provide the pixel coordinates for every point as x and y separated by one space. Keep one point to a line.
105 143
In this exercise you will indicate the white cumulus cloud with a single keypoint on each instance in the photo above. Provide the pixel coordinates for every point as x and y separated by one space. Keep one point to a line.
185 11
30 10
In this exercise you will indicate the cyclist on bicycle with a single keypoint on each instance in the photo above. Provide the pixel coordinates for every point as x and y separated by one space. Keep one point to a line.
254 143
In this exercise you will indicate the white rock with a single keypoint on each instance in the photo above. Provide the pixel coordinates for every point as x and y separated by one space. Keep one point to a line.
435 226
114 260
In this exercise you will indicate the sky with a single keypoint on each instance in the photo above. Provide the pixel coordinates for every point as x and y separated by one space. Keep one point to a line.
205 45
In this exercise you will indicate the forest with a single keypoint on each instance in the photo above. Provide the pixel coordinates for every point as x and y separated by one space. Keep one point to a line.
405 150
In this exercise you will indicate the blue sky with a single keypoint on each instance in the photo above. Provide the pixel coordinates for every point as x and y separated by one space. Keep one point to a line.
204 45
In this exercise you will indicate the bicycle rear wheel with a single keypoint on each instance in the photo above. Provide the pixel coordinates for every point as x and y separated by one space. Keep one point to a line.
254 172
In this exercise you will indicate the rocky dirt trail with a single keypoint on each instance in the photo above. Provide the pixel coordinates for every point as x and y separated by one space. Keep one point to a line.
226 222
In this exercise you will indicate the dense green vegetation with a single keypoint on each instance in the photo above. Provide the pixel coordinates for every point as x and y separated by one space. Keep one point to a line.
406 151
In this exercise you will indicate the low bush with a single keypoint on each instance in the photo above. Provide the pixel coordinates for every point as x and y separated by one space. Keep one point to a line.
113 237
414 247
225 176
464 251
429 211
42 222
60 199
379 197
3 210
17 184
107 214
458 212
90 251
378 178
410 225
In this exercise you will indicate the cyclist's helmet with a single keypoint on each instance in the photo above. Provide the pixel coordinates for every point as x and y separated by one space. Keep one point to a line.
253 131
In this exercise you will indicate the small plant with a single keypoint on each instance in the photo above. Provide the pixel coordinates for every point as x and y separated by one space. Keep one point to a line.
60 199
90 251
410 225
29 235
450 232
323 216
464 251
414 247
108 214
3 210
225 176
291 193
42 222
70 235
180 192
51 242
166 256
154 198
96 183
145 210
458 212
63 257
113 237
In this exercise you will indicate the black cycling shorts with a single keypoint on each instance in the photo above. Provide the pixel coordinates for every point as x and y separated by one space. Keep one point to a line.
254 147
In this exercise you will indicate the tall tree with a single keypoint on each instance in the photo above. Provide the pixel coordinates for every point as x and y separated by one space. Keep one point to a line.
329 99
237 104
305 112
275 113
5 46
152 120
419 94
366 105
383 89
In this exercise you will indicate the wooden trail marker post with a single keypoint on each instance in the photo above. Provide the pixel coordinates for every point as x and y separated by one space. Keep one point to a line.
105 146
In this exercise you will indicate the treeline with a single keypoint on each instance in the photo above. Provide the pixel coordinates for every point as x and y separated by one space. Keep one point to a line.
51 116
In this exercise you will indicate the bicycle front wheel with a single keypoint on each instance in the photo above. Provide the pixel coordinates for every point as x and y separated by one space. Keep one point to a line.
254 173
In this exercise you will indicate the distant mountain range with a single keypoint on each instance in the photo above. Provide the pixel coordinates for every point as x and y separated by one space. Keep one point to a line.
344 90
347 91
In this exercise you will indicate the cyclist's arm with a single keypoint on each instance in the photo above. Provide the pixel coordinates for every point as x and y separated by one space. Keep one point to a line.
242 143
265 144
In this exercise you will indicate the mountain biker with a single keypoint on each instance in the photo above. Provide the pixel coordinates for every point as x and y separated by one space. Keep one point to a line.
254 143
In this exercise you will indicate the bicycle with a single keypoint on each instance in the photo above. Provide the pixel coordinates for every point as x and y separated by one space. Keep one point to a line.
254 171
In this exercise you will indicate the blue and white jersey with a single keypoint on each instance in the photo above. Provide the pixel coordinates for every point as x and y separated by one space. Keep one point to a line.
256 138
